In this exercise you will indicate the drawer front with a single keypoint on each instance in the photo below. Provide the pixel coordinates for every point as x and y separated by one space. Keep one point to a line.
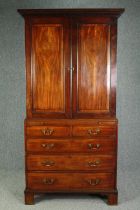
70 162
48 131
94 131
95 146
70 181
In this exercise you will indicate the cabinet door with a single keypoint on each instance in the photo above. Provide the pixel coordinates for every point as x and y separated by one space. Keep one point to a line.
94 46
48 73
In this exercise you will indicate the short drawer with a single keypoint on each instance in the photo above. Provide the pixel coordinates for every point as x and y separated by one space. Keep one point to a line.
70 162
57 182
48 131
95 146
94 131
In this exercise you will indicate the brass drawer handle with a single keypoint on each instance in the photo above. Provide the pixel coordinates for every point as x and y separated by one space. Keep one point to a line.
47 163
94 163
48 146
47 131
93 132
93 182
48 181
91 146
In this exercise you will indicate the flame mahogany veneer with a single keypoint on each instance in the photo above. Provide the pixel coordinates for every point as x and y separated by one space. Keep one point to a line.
71 130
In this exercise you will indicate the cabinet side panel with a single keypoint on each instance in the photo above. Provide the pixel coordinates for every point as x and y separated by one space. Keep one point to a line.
28 66
47 67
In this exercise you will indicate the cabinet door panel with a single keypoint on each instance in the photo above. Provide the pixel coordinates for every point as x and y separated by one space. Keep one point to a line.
50 77
92 69
48 70
92 76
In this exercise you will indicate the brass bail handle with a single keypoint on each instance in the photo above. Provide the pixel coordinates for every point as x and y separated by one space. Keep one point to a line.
94 163
92 146
47 131
48 181
93 182
48 163
92 131
48 146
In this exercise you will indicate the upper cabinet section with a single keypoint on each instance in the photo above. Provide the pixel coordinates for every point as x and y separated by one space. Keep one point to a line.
71 62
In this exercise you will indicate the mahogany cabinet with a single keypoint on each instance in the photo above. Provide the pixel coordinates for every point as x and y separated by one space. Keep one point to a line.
71 125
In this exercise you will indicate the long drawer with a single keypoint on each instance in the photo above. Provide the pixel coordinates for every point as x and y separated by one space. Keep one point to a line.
70 162
95 146
70 181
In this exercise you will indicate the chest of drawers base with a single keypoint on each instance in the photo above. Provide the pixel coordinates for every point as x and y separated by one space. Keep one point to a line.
67 156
